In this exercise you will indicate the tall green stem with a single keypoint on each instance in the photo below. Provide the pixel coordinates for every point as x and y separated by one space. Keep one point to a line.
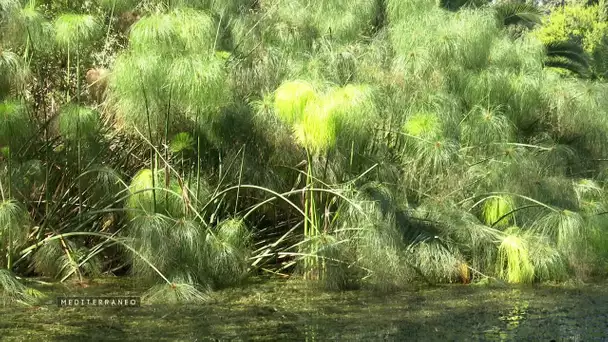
167 121
311 230
2 192
79 146
9 251
152 155
198 157
236 204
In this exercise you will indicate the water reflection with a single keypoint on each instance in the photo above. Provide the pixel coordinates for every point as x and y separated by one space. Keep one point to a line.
293 311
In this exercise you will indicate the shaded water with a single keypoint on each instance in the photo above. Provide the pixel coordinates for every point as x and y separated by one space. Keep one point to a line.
289 310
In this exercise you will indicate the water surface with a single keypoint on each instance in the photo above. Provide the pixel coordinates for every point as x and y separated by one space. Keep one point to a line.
292 310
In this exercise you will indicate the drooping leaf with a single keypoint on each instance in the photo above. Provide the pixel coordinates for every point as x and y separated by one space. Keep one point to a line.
509 13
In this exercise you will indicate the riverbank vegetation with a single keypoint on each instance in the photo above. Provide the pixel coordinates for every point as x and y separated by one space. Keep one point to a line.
356 144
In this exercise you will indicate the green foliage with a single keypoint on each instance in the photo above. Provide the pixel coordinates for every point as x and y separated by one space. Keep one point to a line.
26 176
173 33
291 99
14 225
514 264
78 123
367 143
549 263
15 126
227 250
337 19
29 29
198 85
181 247
142 191
75 32
156 194
8 9
46 259
435 261
423 125
569 56
498 208
581 25
149 234
316 131
319 121
119 6
178 292
354 109
167 76
234 232
572 21
364 249
65 259
445 232
484 126
12 290
571 235
182 142
513 13
12 72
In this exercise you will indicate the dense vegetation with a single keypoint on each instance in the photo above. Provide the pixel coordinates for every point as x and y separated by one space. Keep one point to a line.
193 143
